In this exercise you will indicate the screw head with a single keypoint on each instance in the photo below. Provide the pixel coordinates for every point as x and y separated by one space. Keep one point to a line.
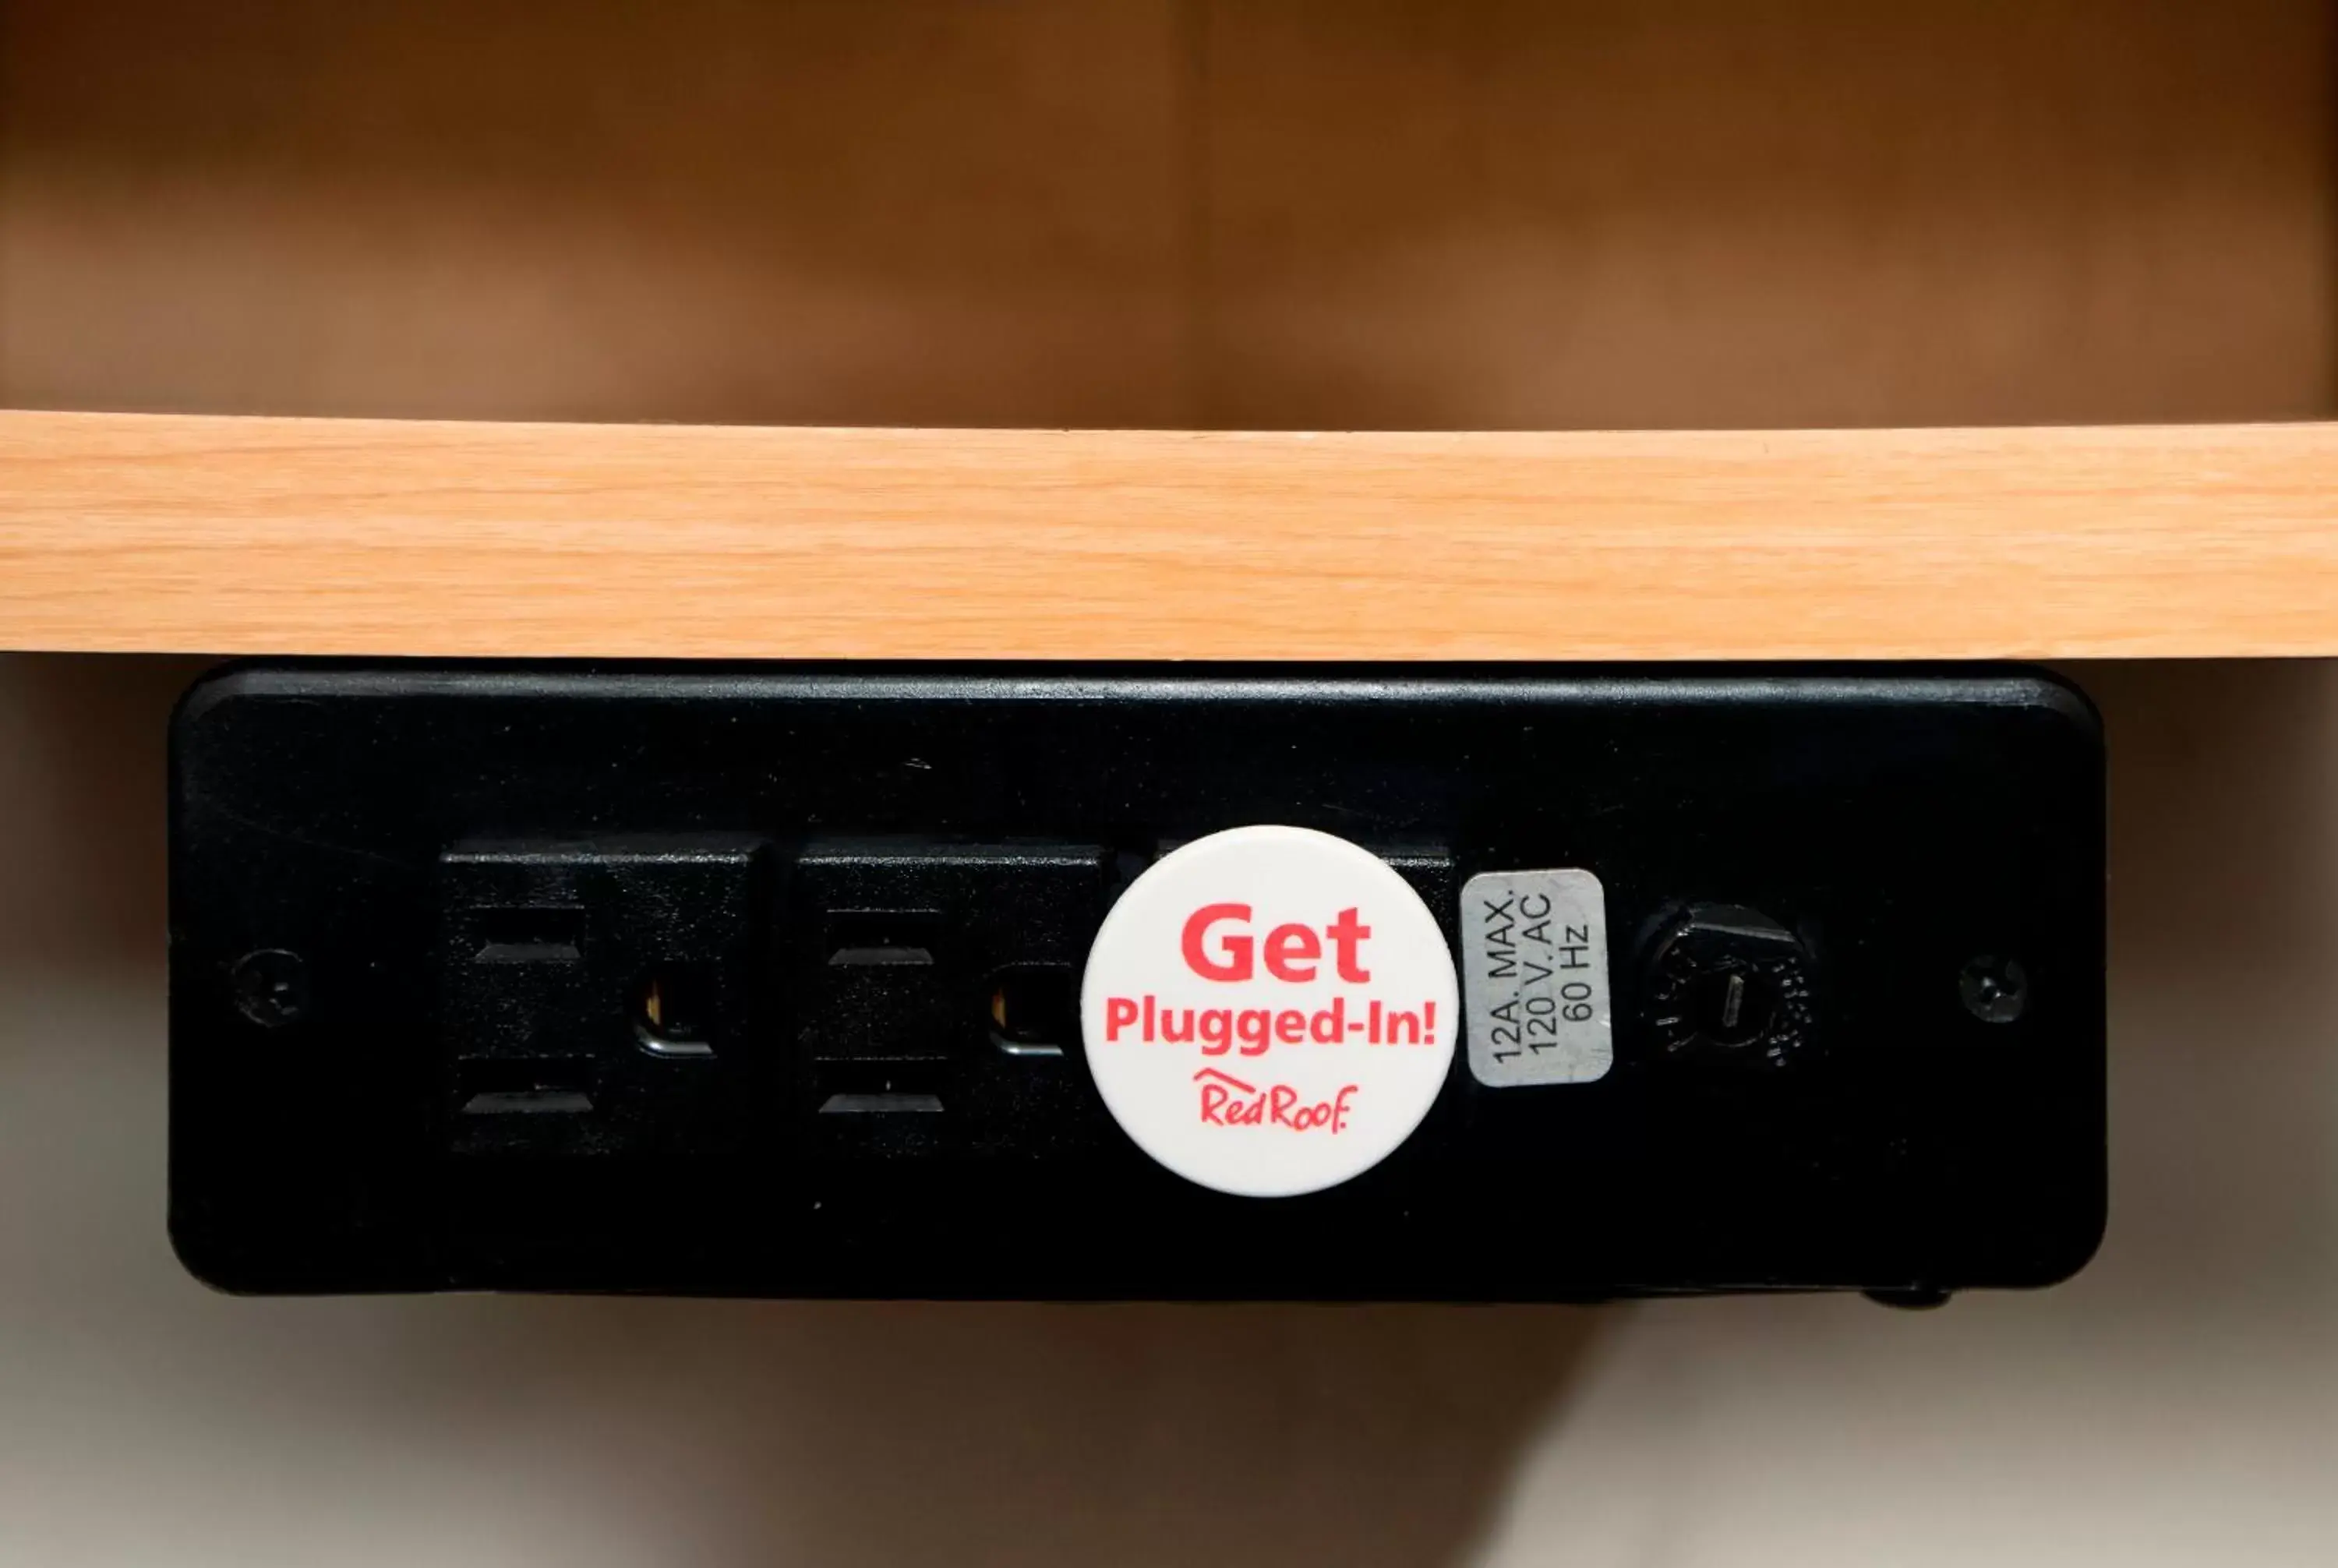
1995 990
1729 983
270 987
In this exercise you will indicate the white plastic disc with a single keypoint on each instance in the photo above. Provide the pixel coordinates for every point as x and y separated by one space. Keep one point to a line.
1270 1010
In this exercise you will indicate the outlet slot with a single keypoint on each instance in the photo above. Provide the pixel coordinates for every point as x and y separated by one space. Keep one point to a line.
526 936
673 1008
883 938
881 1105
1035 1009
524 1087
863 1089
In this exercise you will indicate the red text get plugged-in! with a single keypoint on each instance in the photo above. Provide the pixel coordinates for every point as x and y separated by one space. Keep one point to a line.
1293 953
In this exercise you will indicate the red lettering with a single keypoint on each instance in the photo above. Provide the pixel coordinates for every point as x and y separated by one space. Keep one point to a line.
1328 1026
1286 943
1228 1102
1406 1020
1251 1027
1291 1026
1217 1031
1290 951
1347 935
1119 1013
1236 964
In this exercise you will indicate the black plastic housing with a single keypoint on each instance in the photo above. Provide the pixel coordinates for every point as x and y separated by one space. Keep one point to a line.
755 980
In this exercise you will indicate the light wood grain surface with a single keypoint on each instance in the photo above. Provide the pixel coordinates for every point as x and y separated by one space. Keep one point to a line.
368 536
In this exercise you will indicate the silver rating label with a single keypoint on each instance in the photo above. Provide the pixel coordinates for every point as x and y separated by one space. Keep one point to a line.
1534 978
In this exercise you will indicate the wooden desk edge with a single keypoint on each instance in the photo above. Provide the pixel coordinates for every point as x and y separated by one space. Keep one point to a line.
147 533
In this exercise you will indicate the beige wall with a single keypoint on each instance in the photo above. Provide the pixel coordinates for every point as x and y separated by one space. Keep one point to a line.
2178 1403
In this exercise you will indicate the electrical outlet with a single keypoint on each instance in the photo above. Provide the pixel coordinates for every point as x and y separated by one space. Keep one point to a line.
777 981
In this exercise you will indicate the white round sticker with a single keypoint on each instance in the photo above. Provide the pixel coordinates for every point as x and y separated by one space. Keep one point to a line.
1269 1011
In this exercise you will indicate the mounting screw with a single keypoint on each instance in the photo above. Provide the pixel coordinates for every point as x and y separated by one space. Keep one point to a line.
1729 983
1995 990
271 986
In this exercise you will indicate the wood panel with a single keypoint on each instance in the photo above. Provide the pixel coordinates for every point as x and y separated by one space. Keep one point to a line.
1294 214
1611 213
179 532
716 210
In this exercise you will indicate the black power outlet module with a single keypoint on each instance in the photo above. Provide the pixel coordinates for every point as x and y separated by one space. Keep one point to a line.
767 980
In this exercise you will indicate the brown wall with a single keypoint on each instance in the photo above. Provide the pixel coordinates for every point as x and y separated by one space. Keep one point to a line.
1212 213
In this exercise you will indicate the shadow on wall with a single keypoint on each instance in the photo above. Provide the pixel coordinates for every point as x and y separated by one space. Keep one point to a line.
147 1419
2224 1022
81 792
